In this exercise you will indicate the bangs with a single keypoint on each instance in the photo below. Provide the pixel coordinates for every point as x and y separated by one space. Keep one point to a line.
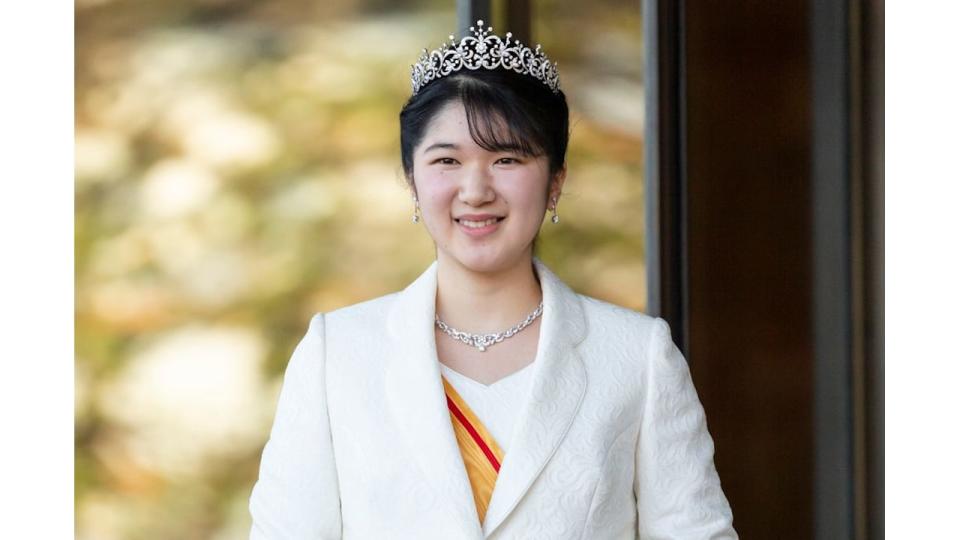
505 112
496 124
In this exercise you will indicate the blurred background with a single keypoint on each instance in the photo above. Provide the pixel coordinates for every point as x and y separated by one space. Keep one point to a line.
237 170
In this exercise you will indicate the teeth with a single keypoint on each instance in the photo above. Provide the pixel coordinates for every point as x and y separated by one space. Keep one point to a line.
478 224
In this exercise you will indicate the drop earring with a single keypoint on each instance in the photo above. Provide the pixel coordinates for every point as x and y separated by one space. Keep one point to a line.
416 210
555 219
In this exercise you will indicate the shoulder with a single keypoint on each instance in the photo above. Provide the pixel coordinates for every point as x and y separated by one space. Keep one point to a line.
359 315
370 313
618 332
612 320
354 327
624 347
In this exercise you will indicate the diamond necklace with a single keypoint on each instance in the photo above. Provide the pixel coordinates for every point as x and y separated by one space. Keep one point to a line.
482 341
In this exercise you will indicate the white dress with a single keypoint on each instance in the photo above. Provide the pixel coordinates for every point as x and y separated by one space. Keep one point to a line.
497 404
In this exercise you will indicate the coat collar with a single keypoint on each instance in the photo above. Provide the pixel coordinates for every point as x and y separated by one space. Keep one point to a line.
418 405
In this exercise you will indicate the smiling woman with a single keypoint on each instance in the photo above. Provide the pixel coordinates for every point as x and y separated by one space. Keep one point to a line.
489 117
482 206
396 420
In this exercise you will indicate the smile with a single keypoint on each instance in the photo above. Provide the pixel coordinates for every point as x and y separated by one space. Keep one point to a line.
479 228
478 224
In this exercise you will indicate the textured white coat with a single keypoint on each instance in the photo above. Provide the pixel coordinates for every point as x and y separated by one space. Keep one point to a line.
612 442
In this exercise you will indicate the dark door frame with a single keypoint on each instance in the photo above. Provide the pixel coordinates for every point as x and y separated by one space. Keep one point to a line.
665 172
516 13
846 149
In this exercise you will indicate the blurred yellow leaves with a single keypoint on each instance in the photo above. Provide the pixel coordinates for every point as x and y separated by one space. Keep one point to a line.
237 171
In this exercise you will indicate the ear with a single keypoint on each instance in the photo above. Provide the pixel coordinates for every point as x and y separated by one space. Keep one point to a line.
556 186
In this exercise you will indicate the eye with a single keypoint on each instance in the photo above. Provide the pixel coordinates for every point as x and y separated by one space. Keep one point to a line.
444 161
508 160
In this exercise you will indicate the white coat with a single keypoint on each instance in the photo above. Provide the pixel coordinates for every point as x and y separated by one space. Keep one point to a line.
611 444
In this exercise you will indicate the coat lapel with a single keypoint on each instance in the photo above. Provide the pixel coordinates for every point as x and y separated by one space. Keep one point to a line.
418 405
558 386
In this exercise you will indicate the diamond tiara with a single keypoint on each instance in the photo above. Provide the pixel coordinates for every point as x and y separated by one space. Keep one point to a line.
484 50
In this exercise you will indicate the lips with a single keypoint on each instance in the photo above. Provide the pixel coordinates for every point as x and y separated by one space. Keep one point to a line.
478 220
479 225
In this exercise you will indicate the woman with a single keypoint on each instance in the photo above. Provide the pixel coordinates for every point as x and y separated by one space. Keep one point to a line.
487 399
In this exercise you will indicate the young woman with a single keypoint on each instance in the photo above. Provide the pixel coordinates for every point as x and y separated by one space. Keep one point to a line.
487 399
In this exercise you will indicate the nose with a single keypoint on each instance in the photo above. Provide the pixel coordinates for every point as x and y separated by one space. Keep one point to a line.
476 186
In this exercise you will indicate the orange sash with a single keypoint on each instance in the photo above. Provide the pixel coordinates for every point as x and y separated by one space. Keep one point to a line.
481 454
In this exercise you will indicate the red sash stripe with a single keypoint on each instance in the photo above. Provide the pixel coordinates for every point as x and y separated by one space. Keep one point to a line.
473 433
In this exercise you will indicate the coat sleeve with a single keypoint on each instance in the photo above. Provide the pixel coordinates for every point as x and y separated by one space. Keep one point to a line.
297 493
677 487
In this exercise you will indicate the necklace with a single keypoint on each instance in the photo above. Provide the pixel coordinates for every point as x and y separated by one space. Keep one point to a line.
482 341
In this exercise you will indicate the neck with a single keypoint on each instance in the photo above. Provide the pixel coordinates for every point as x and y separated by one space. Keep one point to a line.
486 302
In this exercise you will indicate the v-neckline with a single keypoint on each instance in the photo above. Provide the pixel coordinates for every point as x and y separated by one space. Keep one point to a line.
494 383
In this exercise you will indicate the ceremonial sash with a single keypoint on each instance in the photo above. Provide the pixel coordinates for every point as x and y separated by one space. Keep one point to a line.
481 454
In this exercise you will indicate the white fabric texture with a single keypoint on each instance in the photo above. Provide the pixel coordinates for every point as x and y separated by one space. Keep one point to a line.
496 404
611 442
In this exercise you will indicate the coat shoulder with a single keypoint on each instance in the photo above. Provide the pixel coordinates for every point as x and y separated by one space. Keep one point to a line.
368 313
608 313
353 334
618 324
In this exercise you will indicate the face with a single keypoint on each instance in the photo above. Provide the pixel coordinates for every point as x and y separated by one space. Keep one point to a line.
483 208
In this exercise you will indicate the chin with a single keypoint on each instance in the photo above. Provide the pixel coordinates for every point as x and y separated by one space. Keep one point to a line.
483 263
485 266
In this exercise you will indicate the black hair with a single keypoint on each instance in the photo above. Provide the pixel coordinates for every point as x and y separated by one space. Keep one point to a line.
537 120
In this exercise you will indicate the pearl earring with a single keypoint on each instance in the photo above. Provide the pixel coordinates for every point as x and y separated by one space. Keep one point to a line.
555 218
416 210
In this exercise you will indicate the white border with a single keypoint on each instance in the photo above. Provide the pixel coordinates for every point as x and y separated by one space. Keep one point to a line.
923 274
36 281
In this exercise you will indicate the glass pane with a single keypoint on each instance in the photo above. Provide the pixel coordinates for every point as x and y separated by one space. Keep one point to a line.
600 250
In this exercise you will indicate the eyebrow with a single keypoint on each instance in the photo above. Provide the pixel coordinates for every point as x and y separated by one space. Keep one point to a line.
454 146
441 145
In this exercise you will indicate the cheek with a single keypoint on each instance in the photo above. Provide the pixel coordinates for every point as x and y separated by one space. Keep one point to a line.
435 191
531 198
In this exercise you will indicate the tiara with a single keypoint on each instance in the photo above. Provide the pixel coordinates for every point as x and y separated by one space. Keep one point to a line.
484 50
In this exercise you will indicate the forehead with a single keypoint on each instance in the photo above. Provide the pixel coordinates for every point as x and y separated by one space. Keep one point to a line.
450 125
451 119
